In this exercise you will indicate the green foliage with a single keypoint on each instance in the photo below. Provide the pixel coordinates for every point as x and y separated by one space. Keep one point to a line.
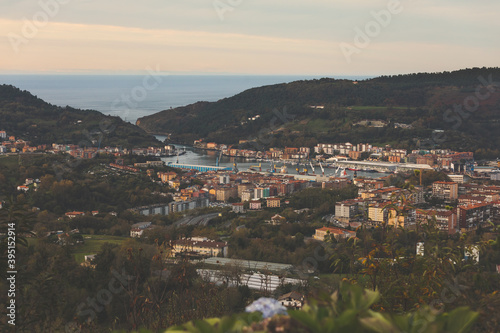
235 323
420 100
26 116
347 310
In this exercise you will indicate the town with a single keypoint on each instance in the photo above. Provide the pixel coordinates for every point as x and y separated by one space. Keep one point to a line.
223 220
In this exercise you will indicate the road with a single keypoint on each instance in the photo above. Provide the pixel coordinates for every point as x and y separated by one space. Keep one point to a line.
196 220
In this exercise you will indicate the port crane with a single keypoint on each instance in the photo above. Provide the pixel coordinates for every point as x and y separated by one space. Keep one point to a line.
218 159
312 167
256 166
322 170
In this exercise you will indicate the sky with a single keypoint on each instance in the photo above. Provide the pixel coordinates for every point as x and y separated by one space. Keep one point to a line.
261 37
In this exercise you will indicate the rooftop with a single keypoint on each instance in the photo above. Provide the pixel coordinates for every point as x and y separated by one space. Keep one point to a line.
249 264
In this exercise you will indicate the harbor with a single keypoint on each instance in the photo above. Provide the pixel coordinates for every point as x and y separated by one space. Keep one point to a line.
206 160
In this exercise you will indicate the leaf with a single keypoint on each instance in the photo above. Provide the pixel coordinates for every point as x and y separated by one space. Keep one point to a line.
378 323
461 320
305 319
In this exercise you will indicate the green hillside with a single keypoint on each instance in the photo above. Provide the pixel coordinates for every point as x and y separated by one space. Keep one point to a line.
426 101
30 118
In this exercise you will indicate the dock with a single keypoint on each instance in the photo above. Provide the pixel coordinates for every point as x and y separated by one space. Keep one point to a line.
383 166
201 168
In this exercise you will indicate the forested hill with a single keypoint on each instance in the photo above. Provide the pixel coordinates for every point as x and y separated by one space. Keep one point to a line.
28 117
420 100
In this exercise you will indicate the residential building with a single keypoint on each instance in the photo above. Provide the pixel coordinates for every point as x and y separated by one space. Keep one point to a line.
338 233
225 193
72 215
255 205
473 215
244 187
247 195
199 246
224 179
137 229
167 176
446 220
402 220
368 184
292 300
238 208
277 219
377 214
261 192
347 211
273 202
355 155
445 190
23 188
457 178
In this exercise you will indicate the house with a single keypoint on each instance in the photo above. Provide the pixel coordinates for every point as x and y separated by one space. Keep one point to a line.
174 183
89 261
277 219
137 229
23 188
199 246
72 215
166 176
255 205
273 202
238 208
136 232
335 232
292 300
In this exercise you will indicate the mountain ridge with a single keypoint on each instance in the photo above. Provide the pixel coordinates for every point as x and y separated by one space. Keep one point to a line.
422 100
26 116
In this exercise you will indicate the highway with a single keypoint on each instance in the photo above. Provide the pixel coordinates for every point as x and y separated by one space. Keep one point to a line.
201 220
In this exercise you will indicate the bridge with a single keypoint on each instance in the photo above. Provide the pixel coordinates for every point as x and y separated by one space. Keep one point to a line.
201 168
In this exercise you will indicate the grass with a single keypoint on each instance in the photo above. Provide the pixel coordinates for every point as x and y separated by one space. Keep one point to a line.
93 245
9 162
315 125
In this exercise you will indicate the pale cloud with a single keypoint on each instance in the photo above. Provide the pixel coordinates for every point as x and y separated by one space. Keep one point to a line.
256 36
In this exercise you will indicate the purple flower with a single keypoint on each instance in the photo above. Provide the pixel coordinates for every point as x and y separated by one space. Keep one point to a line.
268 306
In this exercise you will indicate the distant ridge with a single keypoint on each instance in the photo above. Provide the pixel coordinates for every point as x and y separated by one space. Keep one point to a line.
426 101
30 118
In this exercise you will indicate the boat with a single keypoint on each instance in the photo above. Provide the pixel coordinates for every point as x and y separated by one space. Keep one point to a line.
353 169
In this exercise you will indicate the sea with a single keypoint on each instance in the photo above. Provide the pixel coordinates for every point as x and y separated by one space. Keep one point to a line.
133 96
